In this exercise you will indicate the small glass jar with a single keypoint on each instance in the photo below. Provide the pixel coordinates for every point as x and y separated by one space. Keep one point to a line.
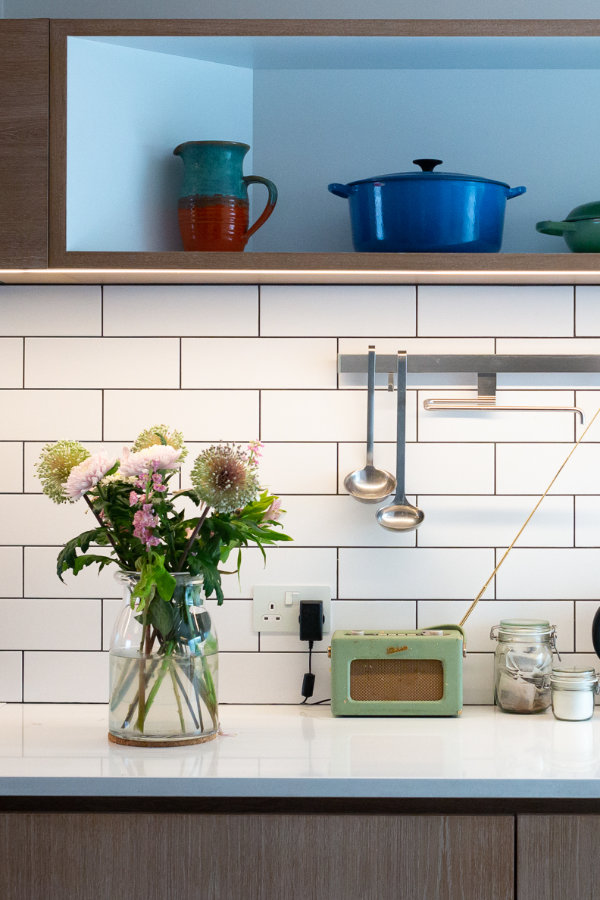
573 693
523 664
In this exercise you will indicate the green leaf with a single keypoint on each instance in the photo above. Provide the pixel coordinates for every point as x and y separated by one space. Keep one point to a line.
90 559
161 616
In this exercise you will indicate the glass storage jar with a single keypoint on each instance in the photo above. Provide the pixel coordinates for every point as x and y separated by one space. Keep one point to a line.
573 693
523 664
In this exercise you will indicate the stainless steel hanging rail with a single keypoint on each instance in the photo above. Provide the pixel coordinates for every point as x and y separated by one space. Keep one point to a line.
486 367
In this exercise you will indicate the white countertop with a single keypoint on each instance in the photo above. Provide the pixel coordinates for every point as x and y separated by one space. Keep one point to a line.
303 751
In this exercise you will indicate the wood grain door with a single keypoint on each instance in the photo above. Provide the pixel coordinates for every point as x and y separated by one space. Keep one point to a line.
557 857
180 856
24 118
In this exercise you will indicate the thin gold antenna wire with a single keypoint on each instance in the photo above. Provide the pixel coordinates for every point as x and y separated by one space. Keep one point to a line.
527 520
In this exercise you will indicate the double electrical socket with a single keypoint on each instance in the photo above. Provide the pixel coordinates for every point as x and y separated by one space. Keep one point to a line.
276 607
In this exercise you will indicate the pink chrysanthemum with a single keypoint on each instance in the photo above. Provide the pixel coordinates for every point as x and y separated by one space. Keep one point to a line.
87 474
159 456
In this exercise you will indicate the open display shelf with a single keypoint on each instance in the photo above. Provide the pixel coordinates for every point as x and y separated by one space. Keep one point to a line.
318 101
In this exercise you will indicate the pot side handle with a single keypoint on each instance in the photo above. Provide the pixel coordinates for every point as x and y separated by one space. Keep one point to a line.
557 228
340 190
515 192
596 632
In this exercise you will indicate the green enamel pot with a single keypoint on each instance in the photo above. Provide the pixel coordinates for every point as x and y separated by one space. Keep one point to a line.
581 228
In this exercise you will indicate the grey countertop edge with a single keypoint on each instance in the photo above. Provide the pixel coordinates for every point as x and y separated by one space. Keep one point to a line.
569 788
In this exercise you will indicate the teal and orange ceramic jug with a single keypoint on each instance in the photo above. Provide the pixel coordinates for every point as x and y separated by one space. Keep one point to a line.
213 201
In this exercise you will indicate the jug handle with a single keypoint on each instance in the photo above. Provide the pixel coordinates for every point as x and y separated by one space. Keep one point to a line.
271 201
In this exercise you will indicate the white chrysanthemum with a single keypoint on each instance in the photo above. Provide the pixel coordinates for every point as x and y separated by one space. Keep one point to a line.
119 478
87 474
157 457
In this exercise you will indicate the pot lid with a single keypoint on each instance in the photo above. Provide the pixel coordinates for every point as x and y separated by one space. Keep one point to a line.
427 174
585 211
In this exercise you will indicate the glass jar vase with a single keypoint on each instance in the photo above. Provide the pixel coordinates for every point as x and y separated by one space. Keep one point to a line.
522 664
163 668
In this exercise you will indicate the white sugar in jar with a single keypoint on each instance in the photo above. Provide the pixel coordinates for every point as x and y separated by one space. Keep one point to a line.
573 693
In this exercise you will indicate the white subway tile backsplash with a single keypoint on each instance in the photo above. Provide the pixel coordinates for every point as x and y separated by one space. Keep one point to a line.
204 310
587 521
51 310
233 624
11 363
34 519
490 612
253 362
496 310
200 415
494 521
430 468
50 415
284 565
233 377
549 574
11 466
339 521
299 468
589 402
585 610
337 310
11 566
26 624
11 677
478 679
111 607
413 573
270 677
102 362
380 614
500 425
331 415
41 579
65 677
529 468
587 310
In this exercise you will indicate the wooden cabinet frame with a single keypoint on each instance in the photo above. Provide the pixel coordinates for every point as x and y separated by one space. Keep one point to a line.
308 266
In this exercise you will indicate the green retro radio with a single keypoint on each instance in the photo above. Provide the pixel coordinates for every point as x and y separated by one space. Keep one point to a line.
397 673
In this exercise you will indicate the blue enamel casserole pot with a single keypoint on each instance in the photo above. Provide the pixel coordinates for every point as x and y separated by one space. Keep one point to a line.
427 211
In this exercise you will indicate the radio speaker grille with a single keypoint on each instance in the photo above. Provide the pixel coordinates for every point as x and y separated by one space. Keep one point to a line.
396 679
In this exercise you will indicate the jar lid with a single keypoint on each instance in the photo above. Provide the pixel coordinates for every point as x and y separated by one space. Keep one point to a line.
571 678
524 628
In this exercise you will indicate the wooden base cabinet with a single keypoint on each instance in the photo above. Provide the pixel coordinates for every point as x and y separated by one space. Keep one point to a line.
187 856
557 857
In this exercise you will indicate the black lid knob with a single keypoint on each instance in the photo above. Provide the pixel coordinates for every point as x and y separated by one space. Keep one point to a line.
427 165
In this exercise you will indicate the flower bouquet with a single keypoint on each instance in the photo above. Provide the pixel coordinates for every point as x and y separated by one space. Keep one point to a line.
163 657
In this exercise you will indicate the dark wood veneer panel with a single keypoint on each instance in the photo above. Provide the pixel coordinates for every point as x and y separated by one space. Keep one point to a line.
558 857
255 857
24 142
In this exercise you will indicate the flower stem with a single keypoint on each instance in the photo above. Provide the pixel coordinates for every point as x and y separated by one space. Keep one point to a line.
106 530
192 538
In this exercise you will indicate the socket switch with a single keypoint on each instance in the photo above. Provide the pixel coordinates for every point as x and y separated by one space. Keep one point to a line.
276 607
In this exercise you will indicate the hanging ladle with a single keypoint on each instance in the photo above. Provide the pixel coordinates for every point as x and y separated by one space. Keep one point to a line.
370 485
400 515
